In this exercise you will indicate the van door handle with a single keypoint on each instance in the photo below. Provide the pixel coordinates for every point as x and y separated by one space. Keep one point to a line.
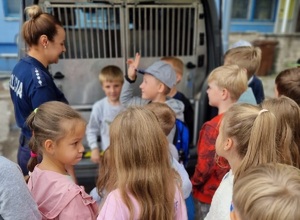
58 75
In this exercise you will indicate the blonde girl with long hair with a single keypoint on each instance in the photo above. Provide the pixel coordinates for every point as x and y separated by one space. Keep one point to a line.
287 113
146 185
247 137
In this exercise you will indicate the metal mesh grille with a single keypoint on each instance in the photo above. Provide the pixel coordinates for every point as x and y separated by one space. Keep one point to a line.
92 31
161 30
106 31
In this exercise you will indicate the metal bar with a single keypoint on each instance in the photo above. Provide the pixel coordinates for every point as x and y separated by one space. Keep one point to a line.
68 33
140 32
85 34
179 31
92 34
109 32
167 33
98 32
115 33
79 32
134 31
151 33
173 32
189 31
162 29
156 32
183 32
103 33
74 45
145 33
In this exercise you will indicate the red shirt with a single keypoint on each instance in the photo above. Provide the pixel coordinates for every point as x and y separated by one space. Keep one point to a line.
208 172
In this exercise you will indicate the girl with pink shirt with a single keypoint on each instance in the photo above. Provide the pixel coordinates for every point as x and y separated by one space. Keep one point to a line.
144 185
57 133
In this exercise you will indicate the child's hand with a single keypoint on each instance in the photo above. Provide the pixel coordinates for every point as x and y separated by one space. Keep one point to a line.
132 66
95 157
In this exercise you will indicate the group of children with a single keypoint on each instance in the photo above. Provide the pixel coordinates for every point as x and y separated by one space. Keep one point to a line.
140 177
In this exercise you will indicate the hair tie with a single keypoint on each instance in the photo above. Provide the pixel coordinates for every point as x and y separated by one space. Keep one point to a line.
35 110
32 154
263 110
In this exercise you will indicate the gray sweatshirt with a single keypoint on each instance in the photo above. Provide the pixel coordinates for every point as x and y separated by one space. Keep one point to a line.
16 202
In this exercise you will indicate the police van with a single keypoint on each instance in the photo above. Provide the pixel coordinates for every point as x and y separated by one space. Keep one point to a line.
108 32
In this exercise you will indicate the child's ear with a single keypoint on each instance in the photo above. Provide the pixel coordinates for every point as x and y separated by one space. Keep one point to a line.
233 215
49 146
225 94
178 78
161 88
228 144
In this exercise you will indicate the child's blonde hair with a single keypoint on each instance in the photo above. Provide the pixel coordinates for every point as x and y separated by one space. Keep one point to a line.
232 78
245 57
288 83
176 63
254 132
106 181
268 192
111 73
140 152
45 123
287 113
165 115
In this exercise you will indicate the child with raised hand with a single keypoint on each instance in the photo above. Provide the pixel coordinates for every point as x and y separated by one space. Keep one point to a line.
287 83
105 110
225 85
158 79
57 131
268 192
247 138
146 185
188 112
287 113
249 58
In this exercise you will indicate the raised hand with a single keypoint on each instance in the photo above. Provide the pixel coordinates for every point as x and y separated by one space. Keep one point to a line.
132 66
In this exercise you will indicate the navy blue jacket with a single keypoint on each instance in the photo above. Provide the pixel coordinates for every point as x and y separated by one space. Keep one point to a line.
31 85
258 89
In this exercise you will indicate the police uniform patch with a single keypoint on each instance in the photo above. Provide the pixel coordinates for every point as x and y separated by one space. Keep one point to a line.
38 77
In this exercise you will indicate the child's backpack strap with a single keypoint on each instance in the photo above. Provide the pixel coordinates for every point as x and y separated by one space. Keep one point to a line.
181 141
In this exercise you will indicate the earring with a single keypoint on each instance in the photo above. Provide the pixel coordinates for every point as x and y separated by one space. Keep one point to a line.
45 46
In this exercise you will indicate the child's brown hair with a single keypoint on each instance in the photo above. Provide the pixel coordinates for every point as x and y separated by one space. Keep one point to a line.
245 57
288 83
165 115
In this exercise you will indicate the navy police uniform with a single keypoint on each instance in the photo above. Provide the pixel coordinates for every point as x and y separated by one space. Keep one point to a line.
31 85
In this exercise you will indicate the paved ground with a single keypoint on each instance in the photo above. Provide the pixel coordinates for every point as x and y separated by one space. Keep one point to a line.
9 132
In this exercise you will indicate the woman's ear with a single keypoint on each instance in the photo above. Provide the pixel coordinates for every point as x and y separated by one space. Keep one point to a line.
49 146
44 40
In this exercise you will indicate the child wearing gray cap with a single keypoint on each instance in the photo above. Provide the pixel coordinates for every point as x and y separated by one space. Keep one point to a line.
158 79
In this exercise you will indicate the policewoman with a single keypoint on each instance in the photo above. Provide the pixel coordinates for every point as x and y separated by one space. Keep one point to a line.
31 83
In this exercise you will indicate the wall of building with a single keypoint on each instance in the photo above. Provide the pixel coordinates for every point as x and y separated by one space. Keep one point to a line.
9 27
